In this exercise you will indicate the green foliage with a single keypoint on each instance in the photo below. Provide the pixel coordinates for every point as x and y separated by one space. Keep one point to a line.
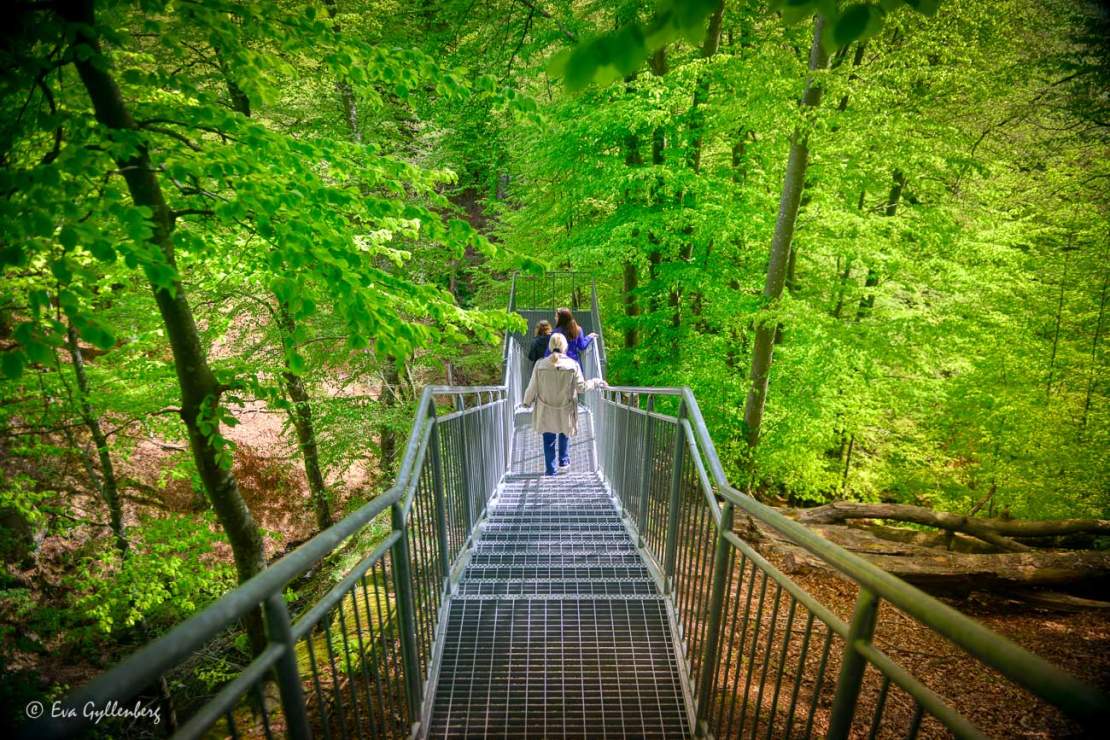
608 57
620 53
938 389
171 572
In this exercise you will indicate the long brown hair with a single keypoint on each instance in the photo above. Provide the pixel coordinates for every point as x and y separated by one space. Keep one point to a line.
564 321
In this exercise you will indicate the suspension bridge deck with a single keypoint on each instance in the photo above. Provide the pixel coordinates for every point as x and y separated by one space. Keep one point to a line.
556 628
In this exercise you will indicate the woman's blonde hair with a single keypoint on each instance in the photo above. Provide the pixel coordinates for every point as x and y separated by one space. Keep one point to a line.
557 344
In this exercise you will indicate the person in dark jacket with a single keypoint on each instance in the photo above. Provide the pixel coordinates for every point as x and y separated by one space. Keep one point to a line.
568 327
538 350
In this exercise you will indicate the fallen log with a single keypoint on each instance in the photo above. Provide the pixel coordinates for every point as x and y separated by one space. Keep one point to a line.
939 570
961 571
997 532
1059 601
954 541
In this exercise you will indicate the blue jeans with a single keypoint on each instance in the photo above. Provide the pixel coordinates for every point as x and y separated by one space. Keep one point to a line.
549 451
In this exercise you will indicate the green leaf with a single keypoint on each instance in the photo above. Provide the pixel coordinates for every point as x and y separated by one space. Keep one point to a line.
12 255
795 11
856 22
103 250
557 65
96 334
62 270
627 50
68 237
38 351
582 65
296 363
12 364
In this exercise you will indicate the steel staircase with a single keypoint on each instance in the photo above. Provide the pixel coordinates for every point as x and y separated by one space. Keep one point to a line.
617 599
556 628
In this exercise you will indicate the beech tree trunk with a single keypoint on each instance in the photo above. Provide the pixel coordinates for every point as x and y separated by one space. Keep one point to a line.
631 308
842 287
1056 327
109 487
346 92
867 300
390 398
1094 374
780 248
391 391
942 570
301 415
697 130
632 158
200 391
658 65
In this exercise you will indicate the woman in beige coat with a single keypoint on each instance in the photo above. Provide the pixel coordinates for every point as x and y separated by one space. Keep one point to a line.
556 382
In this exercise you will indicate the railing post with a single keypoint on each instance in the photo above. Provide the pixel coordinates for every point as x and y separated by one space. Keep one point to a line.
721 566
477 444
280 631
852 666
441 500
675 501
466 473
406 612
648 469
626 417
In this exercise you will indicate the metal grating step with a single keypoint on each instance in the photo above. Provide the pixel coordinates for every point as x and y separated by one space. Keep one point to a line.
582 587
558 668
531 526
574 503
616 572
546 515
540 535
555 547
551 512
483 558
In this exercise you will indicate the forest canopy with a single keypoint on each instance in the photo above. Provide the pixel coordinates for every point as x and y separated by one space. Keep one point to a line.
236 239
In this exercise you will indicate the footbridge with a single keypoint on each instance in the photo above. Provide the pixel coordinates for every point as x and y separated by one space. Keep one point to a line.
620 598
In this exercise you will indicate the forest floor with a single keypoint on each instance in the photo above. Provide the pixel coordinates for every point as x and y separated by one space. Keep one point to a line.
1075 640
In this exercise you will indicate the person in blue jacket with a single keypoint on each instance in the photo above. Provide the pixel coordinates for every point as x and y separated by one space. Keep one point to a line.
568 327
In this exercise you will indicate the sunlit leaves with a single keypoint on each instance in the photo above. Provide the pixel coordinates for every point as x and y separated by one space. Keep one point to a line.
607 57
610 56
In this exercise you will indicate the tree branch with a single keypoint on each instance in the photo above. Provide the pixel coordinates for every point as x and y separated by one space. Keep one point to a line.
536 8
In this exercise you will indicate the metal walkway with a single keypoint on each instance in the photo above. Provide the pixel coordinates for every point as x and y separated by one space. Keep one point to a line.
556 628
614 600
